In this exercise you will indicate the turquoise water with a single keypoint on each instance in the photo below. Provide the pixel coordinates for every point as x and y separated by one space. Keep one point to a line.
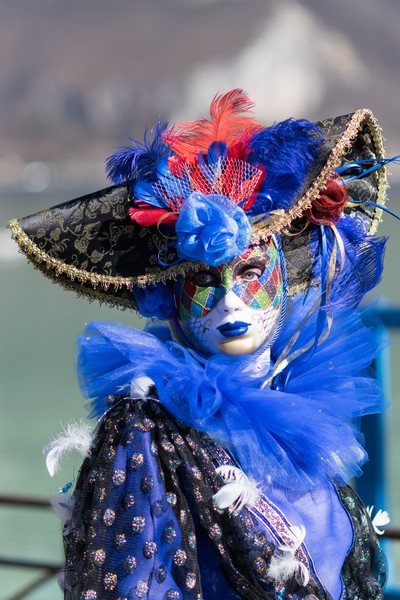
39 326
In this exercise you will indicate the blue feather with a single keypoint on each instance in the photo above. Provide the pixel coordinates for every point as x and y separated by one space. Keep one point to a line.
139 161
162 168
205 169
144 191
287 150
363 265
215 151
364 167
384 208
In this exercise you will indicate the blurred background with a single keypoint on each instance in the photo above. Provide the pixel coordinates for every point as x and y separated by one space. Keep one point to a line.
77 77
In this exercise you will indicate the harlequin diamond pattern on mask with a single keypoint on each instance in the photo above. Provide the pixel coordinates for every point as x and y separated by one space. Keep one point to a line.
196 301
267 290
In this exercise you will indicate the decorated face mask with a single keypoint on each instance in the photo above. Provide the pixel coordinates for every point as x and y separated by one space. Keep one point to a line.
235 308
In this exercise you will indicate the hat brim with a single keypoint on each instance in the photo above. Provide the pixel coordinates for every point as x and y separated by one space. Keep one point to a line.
90 244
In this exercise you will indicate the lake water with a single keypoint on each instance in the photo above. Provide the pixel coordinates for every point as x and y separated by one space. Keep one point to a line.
39 326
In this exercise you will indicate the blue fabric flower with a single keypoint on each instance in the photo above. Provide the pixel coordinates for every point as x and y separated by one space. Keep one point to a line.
211 229
154 301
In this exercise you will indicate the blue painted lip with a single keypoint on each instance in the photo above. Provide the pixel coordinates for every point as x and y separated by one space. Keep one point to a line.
233 329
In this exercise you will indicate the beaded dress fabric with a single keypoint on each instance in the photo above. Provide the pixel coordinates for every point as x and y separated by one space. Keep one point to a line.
144 524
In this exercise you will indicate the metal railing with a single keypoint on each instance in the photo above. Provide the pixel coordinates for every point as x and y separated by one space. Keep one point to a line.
47 569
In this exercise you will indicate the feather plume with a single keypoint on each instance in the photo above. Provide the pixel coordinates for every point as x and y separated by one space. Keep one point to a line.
238 490
381 519
360 168
76 436
287 150
362 266
140 159
190 138
284 564
140 387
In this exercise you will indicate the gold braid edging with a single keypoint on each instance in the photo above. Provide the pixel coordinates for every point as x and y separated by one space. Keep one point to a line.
37 255
334 160
41 258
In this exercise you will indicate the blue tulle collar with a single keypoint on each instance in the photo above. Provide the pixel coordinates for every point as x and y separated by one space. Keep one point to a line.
294 437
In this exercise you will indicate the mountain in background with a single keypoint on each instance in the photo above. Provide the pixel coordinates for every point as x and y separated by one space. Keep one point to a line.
77 77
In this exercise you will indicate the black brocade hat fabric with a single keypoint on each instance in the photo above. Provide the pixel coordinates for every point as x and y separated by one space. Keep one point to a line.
92 246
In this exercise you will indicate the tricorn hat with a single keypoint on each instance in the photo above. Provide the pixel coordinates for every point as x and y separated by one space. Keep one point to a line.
203 191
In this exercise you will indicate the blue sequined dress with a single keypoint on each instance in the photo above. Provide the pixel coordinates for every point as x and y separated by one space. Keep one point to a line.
144 524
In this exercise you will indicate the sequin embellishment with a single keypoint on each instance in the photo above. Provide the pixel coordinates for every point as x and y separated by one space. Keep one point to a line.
141 589
138 524
161 574
167 446
180 558
191 580
146 485
99 556
101 494
109 517
129 500
89 595
119 477
110 581
157 508
150 549
136 461
172 595
171 498
120 540
109 454
215 532
169 534
130 564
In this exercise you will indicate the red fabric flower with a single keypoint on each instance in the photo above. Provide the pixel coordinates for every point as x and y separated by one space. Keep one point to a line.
328 206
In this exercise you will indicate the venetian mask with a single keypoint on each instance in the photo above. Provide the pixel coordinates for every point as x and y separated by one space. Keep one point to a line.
234 308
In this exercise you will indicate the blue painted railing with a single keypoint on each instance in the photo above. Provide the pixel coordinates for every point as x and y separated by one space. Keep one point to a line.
373 485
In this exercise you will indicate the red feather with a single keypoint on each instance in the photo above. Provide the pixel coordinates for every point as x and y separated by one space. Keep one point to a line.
152 216
189 138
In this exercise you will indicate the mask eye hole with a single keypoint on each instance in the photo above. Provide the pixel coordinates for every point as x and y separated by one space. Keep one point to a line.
205 279
250 273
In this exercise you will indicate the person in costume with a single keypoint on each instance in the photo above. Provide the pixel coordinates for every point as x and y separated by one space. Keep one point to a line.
227 430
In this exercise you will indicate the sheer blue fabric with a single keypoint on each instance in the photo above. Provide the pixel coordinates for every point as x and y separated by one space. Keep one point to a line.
298 434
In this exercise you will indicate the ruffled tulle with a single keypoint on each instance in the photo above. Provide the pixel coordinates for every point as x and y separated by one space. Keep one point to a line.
294 436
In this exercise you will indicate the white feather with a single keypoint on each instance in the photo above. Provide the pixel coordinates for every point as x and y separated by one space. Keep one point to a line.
140 387
284 567
381 519
284 564
238 490
76 436
297 534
